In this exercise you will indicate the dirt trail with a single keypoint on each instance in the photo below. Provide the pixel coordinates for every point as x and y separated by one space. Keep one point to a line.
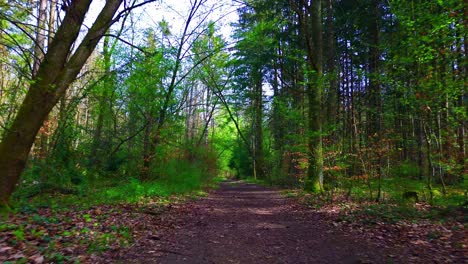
247 223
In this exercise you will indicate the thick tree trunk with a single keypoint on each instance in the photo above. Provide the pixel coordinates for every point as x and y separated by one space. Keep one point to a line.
310 20
17 142
56 72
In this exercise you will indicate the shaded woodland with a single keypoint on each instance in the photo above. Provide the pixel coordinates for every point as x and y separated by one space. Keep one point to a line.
117 115
368 96
358 99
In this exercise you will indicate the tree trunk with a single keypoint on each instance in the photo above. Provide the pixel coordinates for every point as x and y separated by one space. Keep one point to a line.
103 96
374 127
258 133
52 19
145 172
163 111
310 22
39 49
55 73
40 36
333 89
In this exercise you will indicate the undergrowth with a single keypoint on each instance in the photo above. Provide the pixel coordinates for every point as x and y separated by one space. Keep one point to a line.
357 201
131 190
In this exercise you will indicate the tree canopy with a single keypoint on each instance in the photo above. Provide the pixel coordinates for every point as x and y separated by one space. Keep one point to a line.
361 98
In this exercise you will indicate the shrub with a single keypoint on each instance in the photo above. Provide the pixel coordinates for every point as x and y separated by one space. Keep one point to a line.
406 169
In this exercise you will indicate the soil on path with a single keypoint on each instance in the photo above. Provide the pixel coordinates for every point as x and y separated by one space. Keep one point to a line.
248 223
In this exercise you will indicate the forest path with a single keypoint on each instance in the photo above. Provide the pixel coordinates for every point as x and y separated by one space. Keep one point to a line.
248 223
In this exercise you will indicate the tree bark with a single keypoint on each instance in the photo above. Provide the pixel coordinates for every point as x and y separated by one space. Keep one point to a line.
258 132
333 89
55 74
103 106
310 22
52 19
40 35
375 113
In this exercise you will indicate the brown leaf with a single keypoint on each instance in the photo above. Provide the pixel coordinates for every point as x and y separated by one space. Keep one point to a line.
68 250
17 256
37 258
5 249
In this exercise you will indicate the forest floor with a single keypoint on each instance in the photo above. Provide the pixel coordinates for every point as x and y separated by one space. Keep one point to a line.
237 223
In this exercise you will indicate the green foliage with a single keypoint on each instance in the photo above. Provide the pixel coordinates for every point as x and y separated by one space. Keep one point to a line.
7 227
19 233
144 105
240 161
133 191
407 170
175 177
100 242
393 189
391 213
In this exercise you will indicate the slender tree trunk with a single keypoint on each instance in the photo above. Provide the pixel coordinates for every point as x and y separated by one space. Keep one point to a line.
374 128
103 106
40 35
189 118
333 89
155 140
258 131
277 118
145 172
39 49
278 122
418 123
52 19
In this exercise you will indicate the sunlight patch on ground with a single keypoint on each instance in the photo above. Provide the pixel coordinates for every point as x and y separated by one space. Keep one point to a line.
259 193
259 211
269 226
221 211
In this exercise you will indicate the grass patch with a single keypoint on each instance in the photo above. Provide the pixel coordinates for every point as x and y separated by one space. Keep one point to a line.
393 190
386 213
355 202
126 191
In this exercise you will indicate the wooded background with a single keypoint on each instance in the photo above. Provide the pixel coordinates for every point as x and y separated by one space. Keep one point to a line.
361 98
